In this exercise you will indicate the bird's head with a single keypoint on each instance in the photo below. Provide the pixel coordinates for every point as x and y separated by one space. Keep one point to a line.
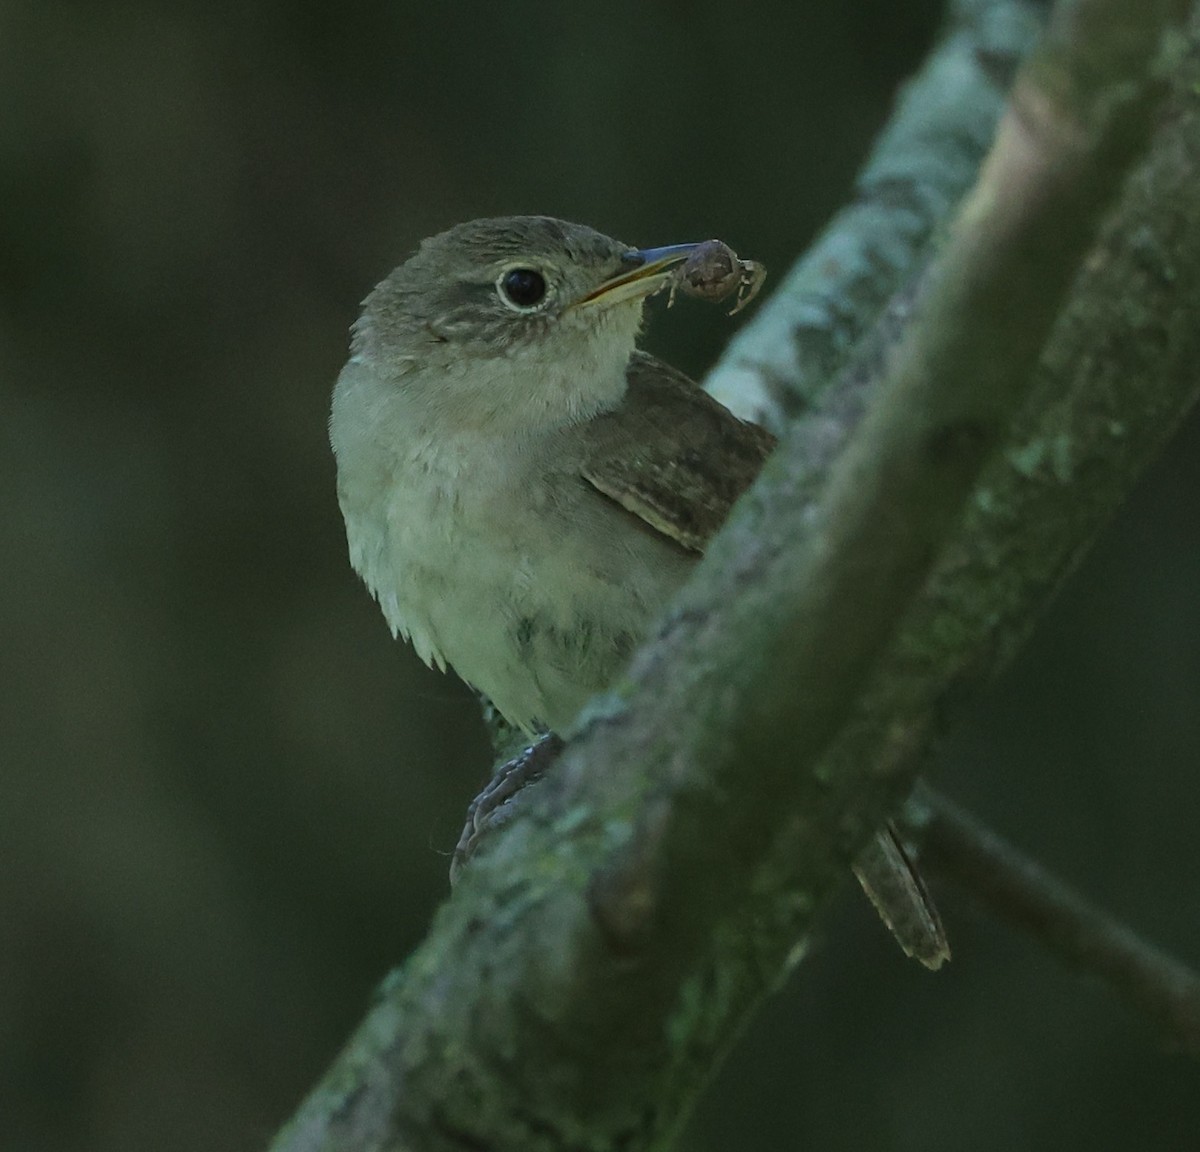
516 321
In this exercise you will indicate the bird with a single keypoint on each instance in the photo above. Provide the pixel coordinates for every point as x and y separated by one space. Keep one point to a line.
523 488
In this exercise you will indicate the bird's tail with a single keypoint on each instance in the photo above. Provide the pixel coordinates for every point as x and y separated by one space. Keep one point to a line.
891 880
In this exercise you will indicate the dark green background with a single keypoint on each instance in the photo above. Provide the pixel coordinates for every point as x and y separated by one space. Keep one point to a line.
226 795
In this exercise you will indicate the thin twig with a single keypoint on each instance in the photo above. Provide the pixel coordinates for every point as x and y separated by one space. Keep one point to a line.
1020 891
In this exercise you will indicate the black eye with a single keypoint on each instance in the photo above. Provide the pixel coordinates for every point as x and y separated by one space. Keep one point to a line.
523 287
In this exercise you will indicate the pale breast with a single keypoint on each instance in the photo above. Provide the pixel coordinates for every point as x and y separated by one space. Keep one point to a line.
520 576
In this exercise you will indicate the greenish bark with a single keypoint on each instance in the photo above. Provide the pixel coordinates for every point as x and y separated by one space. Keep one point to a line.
598 958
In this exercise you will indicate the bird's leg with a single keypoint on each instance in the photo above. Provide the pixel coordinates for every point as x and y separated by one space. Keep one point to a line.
493 806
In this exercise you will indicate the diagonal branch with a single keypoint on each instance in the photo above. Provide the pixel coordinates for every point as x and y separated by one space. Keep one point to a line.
806 596
594 965
1021 892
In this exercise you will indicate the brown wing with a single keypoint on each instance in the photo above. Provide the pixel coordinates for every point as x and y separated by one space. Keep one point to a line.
672 455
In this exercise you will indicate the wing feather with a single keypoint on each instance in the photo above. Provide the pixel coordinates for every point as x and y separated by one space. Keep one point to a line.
672 455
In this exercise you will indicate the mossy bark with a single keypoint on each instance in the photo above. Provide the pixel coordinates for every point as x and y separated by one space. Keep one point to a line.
599 958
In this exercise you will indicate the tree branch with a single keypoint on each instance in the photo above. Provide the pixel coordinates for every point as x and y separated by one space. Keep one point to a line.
1117 375
783 362
599 957
1020 891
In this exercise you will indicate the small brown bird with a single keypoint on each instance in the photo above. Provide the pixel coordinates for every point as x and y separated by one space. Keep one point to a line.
524 490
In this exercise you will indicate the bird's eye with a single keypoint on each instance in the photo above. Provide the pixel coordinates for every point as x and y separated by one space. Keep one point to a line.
522 288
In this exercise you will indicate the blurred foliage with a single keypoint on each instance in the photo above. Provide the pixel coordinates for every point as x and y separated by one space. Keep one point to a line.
226 796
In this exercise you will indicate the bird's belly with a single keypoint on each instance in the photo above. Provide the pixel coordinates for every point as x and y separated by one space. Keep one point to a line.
537 605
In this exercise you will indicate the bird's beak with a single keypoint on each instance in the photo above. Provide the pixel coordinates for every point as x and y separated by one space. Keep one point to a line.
651 273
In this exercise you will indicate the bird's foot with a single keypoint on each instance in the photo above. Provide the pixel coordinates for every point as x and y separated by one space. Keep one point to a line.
493 807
